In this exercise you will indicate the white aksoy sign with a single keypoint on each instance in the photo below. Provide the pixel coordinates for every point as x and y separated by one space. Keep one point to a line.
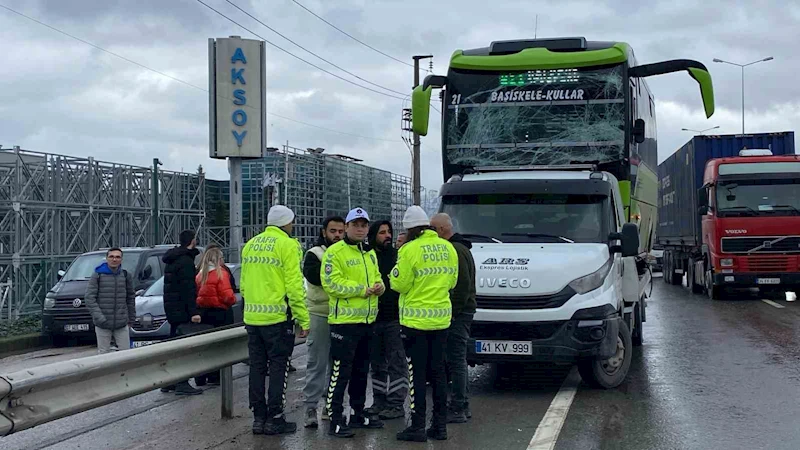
237 110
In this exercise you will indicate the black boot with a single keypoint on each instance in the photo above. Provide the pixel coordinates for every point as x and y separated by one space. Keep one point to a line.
415 432
362 420
279 426
184 388
437 430
258 425
340 429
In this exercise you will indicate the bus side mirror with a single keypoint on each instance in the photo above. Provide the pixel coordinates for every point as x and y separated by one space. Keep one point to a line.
638 131
421 103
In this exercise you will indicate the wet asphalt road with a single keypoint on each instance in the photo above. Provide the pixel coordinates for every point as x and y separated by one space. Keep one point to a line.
711 375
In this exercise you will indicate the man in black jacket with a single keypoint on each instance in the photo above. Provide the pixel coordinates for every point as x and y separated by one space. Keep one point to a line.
388 357
463 299
180 294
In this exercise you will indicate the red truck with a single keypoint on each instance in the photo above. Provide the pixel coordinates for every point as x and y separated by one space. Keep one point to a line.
729 213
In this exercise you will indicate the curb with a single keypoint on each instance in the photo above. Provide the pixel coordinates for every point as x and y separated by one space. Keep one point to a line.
19 344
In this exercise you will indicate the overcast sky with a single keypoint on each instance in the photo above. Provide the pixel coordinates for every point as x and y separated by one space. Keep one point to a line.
59 95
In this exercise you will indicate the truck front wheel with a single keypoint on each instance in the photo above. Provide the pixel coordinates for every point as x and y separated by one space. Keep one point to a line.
713 291
609 373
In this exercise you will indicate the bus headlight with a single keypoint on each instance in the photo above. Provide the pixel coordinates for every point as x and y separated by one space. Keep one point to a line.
592 281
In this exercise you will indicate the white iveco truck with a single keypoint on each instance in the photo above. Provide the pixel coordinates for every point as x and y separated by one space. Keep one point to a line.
548 149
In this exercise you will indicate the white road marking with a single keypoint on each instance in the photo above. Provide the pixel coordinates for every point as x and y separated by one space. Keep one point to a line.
550 427
771 303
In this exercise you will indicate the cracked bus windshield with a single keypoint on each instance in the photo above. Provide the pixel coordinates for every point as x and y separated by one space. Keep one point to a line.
548 117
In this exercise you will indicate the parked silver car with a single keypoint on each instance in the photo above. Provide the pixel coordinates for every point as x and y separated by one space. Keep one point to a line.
151 324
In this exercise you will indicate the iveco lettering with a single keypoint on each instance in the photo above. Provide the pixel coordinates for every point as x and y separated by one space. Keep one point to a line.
549 157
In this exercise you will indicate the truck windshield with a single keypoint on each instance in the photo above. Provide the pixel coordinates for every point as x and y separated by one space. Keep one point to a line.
548 117
761 197
83 266
546 218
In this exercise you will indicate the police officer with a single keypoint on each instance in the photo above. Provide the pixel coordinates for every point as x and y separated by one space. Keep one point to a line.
351 277
272 282
426 271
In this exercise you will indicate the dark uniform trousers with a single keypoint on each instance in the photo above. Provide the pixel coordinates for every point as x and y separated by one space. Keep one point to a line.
269 349
389 366
424 348
350 366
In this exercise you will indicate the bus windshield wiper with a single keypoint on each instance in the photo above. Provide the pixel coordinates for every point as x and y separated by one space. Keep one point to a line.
481 236
540 235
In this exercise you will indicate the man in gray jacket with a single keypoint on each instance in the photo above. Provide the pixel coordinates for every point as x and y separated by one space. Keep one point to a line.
112 302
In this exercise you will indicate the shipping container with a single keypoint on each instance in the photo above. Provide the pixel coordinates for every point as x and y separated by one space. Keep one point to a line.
681 176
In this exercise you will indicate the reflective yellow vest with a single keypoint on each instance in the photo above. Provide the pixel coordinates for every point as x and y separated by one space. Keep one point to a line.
426 271
347 271
272 280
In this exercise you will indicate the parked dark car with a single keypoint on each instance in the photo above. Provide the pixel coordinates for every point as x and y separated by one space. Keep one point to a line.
65 314
151 324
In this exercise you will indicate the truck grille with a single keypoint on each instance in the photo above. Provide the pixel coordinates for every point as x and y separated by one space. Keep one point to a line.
520 331
763 244
528 302
768 264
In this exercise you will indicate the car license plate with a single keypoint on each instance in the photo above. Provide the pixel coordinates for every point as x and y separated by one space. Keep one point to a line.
137 344
504 347
769 281
77 327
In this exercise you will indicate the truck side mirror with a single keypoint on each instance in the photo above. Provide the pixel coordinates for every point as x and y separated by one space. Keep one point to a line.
638 131
630 239
703 210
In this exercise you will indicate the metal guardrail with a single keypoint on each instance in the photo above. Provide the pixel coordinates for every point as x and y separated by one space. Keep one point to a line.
45 393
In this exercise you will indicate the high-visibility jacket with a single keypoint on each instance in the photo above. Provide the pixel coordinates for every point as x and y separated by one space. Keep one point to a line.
272 281
426 271
347 272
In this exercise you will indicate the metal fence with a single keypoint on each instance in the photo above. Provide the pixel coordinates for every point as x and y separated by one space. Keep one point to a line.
56 207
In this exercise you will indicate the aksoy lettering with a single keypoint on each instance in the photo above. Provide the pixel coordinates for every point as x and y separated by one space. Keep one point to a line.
239 116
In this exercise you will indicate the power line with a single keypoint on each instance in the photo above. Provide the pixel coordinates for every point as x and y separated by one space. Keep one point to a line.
178 79
309 51
293 55
101 48
350 36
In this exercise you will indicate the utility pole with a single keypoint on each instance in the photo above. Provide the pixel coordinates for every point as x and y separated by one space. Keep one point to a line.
155 213
415 159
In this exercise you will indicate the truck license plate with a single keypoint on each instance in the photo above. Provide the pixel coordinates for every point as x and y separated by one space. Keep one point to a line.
769 281
504 347
77 327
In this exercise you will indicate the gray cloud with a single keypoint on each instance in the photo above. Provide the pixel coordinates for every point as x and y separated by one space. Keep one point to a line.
59 95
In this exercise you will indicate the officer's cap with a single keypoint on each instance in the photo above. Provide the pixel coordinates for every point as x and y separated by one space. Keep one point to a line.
357 213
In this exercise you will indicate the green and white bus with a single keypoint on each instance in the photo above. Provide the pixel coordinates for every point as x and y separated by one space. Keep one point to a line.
549 154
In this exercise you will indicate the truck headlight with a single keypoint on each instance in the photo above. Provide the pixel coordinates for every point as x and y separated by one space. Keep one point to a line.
49 301
727 262
592 281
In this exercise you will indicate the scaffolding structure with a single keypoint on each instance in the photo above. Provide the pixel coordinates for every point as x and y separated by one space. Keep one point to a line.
314 185
56 207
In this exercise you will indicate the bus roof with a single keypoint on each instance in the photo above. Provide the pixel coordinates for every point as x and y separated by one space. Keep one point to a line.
546 53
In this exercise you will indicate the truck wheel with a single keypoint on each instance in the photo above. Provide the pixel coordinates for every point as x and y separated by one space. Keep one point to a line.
713 292
677 278
609 373
636 334
667 269
691 276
